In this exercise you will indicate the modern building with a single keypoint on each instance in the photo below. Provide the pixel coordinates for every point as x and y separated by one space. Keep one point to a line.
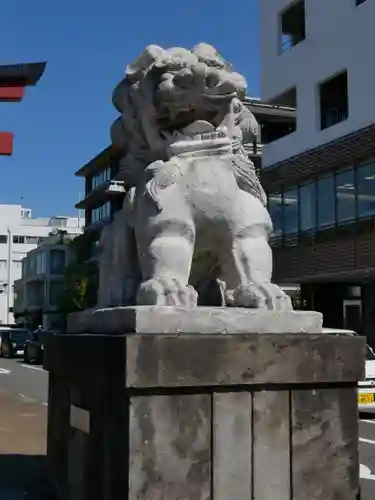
13 80
39 291
19 234
104 189
321 177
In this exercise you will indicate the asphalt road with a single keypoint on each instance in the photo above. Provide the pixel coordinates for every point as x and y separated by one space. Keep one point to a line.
31 382
28 381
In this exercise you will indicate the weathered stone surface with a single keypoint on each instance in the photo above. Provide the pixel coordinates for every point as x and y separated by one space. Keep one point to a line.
271 445
232 435
192 360
77 322
169 456
200 320
194 417
203 195
324 444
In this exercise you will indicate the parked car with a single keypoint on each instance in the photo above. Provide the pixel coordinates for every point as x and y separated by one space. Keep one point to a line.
34 347
13 341
366 388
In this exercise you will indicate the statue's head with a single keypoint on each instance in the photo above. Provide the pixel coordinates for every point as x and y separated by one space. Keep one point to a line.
196 85
167 90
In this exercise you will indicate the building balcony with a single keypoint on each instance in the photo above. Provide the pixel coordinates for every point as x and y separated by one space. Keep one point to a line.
102 194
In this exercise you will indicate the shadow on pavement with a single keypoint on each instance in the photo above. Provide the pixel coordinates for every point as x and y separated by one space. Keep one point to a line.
24 477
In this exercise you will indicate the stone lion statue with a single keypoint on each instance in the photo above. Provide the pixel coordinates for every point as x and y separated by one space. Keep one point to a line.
191 186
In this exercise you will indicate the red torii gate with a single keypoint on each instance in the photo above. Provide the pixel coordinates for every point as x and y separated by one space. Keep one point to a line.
13 80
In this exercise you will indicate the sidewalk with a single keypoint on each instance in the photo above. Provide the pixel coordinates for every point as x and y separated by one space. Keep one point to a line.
22 449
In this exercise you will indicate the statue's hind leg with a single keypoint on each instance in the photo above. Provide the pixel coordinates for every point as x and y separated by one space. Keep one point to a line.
247 260
252 257
165 262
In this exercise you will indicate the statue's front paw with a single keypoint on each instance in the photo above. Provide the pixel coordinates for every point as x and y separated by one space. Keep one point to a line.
263 296
166 292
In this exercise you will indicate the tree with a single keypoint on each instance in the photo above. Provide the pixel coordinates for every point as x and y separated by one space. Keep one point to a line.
80 279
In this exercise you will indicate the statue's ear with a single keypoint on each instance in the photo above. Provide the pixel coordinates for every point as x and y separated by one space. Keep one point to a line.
151 55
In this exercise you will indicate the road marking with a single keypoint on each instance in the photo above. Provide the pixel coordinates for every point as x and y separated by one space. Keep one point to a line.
27 399
365 473
31 367
4 371
368 421
368 441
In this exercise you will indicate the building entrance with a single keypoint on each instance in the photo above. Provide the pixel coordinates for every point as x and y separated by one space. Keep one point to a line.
352 315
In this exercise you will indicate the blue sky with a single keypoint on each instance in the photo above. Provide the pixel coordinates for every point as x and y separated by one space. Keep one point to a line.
65 120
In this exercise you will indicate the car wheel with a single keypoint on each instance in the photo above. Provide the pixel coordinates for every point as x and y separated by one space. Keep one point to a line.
26 358
1 352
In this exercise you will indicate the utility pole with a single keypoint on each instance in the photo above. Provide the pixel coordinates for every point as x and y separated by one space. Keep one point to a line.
9 272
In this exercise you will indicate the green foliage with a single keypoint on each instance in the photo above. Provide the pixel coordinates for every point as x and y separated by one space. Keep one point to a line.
80 279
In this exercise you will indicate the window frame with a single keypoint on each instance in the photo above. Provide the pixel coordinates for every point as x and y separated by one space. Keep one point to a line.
281 234
282 45
337 174
298 225
321 125
283 238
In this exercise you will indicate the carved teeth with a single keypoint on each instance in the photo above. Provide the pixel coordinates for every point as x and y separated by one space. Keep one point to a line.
207 136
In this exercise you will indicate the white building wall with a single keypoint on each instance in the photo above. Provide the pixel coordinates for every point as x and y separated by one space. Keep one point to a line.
16 220
339 36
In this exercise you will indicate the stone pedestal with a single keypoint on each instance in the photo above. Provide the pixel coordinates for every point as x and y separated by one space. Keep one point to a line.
198 417
200 320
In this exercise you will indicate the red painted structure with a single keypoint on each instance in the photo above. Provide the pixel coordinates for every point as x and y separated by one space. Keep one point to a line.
13 80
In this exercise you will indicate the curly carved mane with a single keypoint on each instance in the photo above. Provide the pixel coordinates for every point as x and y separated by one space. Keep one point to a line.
166 90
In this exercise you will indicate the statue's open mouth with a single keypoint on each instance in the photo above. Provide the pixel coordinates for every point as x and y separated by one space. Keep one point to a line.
172 120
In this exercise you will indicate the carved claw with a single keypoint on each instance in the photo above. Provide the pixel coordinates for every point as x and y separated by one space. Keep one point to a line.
166 292
263 296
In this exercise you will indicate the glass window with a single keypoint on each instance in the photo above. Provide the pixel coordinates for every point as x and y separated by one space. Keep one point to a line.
56 290
366 190
18 239
326 201
3 238
290 213
100 213
41 263
101 177
345 196
57 261
31 240
275 208
307 196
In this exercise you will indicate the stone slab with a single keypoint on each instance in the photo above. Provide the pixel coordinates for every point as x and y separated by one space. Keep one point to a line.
271 445
170 447
145 361
198 320
191 360
324 444
232 438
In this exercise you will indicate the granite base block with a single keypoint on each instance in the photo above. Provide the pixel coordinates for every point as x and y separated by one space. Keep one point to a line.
194 417
199 320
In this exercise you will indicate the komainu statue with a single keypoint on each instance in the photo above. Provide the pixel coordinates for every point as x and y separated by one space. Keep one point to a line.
191 186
